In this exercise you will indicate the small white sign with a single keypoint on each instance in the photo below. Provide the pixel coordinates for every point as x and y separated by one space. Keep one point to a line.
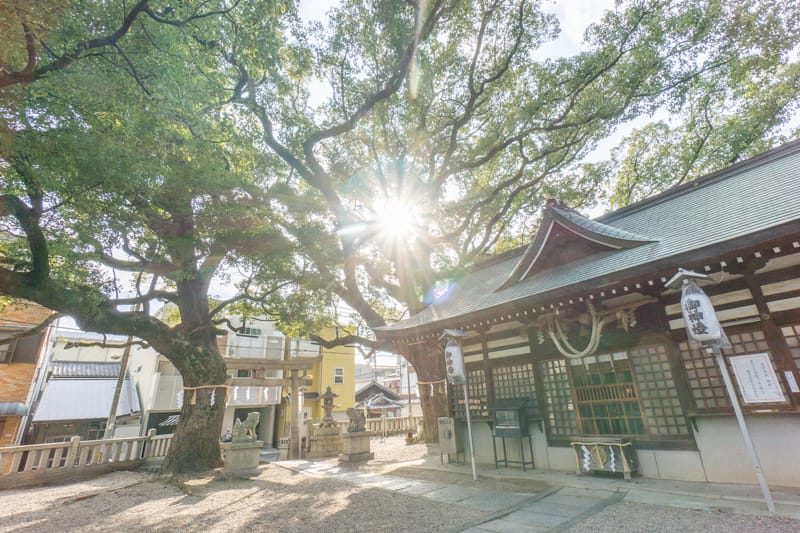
756 377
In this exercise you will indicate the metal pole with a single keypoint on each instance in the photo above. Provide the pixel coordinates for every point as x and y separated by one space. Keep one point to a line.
743 427
469 432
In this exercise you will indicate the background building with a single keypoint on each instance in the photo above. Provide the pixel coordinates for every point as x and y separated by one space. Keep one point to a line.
19 366
395 374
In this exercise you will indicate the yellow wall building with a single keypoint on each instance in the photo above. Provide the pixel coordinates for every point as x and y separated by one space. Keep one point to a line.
336 369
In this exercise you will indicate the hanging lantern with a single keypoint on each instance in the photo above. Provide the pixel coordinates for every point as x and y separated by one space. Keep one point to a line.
702 325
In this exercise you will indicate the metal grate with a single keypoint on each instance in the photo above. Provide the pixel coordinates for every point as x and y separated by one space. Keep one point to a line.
516 381
558 397
705 382
659 397
792 336
478 398
607 398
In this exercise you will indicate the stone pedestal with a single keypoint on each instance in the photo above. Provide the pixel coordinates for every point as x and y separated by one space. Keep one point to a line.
355 447
241 458
323 446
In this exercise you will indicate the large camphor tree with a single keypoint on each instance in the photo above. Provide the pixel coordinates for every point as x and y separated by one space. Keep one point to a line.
124 188
419 137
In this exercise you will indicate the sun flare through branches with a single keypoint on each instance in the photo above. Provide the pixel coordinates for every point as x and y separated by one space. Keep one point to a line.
395 219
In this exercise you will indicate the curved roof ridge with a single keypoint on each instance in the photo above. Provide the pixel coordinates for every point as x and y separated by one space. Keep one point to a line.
601 229
605 236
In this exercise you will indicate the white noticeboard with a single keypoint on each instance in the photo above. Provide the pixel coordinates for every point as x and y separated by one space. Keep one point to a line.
756 378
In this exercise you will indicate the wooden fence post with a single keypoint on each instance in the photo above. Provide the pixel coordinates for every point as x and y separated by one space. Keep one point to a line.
148 444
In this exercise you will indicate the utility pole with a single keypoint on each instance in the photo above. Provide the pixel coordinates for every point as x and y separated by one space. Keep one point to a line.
123 370
112 417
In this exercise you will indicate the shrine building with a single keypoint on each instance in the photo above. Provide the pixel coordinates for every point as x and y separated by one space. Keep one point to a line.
579 329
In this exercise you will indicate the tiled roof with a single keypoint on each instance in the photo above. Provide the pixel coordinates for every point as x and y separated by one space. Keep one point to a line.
84 399
546 241
379 401
599 228
373 389
79 369
747 198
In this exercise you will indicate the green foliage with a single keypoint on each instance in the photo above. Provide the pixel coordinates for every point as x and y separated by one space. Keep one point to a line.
253 142
444 106
739 97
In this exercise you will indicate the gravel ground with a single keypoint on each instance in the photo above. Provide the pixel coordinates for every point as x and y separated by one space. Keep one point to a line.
277 500
636 517
285 501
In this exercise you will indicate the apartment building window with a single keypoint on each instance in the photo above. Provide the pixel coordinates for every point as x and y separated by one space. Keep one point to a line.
338 376
249 332
22 350
6 350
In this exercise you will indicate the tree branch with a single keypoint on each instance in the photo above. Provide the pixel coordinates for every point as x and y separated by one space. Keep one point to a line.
348 340
83 344
32 331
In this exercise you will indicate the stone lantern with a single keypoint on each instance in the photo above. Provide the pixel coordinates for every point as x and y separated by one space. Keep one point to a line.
326 440
328 421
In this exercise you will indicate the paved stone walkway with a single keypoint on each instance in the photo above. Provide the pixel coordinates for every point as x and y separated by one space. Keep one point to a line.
554 509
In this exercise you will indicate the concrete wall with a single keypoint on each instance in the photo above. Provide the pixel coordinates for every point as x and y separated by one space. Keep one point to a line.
721 456
725 458
484 454
683 465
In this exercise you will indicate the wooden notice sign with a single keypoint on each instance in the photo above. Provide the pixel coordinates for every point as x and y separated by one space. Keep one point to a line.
756 377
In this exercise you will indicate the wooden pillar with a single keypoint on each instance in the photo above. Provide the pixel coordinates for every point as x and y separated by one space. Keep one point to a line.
295 444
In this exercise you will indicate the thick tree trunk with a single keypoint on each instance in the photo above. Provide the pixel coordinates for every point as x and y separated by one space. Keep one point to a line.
195 446
428 362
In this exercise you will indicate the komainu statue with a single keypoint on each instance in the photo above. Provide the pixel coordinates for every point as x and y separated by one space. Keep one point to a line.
358 421
245 431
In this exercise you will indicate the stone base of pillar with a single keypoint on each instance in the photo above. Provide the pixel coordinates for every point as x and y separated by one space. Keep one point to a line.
355 448
241 458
